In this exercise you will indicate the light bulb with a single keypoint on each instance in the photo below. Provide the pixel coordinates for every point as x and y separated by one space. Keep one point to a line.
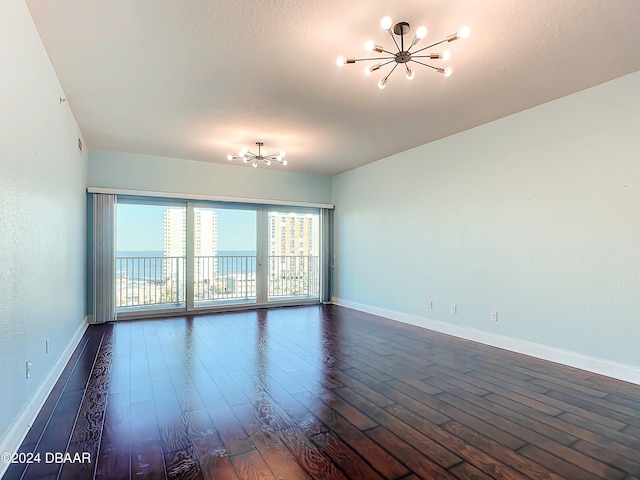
370 46
446 55
241 153
245 149
409 74
282 154
255 164
420 34
340 61
229 157
371 68
464 32
447 72
284 162
268 162
385 23
382 83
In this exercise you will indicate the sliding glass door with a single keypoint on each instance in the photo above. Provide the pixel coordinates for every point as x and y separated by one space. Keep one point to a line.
293 254
224 260
187 256
150 257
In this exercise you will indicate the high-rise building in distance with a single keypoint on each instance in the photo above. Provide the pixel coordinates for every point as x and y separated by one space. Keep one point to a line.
205 239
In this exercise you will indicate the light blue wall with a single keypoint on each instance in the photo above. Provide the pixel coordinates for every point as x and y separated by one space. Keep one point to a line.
144 172
42 214
534 215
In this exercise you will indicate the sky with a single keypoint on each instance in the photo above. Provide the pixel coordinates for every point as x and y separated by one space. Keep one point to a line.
140 228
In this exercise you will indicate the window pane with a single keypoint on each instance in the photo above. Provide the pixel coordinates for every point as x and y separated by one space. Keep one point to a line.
150 257
293 255
225 256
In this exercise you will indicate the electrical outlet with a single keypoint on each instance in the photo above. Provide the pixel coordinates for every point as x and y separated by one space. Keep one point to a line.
46 346
494 316
454 309
430 305
28 368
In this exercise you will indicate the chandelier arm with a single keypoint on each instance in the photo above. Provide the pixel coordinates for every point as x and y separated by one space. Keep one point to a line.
391 71
430 46
376 58
425 64
394 40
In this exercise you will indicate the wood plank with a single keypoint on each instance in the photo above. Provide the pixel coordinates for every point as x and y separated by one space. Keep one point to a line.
211 454
469 472
182 464
609 434
357 418
451 411
366 386
503 455
55 437
615 413
309 455
435 452
525 395
519 463
470 453
632 430
233 436
508 420
345 458
555 464
413 458
625 458
251 466
379 459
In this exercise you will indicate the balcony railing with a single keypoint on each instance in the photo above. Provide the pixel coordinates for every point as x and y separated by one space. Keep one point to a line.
152 281
294 276
155 282
225 278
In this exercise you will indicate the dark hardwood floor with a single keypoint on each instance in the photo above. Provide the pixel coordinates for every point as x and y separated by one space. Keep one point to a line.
324 392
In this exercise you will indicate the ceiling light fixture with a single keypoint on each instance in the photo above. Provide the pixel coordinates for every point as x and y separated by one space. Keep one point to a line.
249 157
404 56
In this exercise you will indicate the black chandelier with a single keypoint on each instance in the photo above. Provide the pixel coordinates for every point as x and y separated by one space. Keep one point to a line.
249 157
404 56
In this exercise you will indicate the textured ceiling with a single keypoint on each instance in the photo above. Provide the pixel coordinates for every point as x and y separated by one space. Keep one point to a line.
198 79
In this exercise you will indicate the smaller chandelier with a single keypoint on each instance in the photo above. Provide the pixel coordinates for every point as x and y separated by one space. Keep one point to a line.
249 157
404 56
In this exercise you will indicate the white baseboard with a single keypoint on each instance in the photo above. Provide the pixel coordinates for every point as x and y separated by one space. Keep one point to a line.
14 437
620 371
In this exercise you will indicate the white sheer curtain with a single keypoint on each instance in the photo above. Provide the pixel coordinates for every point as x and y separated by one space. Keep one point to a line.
326 255
104 258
